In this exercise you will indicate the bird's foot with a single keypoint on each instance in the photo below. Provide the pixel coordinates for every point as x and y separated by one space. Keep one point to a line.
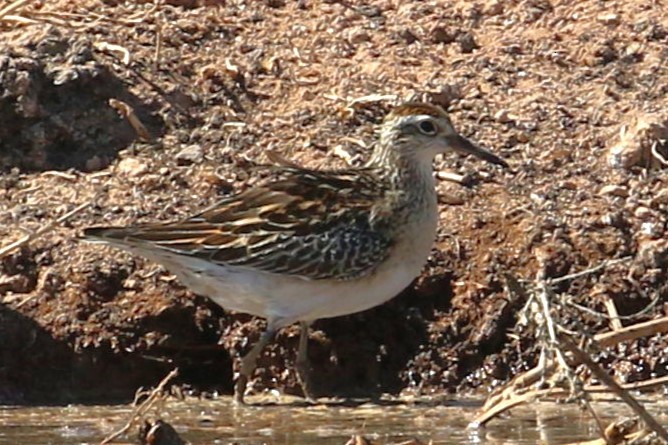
240 390
304 377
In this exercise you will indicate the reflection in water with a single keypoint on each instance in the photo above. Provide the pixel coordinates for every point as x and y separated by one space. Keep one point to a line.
219 421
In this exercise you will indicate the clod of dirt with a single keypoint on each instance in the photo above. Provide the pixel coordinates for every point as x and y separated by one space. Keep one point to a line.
54 104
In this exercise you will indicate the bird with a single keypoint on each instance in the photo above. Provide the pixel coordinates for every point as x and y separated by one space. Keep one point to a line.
311 243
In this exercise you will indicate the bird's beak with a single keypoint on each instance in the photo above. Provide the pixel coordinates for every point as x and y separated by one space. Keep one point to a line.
463 145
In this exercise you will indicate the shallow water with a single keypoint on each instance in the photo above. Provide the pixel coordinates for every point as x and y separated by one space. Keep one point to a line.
219 421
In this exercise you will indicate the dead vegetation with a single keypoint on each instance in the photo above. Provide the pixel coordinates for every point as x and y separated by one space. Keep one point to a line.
563 350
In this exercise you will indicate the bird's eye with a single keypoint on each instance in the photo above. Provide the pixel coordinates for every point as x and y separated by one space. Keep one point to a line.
427 127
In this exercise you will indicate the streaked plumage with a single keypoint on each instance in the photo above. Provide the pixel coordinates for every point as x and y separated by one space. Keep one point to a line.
307 224
313 244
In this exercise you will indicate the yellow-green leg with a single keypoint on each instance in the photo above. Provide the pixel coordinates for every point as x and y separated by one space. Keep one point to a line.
249 362
302 363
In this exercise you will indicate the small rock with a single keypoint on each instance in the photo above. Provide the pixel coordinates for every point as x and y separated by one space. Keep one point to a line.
132 167
359 36
503 117
358 440
19 284
192 154
633 49
642 212
614 190
370 11
408 36
275 3
653 253
609 19
493 7
342 153
440 34
445 96
651 229
451 200
656 32
660 198
614 219
641 142
94 164
467 42
568 185
309 95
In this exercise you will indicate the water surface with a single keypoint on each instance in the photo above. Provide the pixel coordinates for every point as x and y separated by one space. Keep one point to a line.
220 422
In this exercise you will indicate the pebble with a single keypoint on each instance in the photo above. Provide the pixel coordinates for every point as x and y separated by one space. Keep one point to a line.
132 167
440 34
609 19
359 36
503 116
660 198
94 164
467 42
642 212
651 229
614 190
15 283
493 7
408 36
192 154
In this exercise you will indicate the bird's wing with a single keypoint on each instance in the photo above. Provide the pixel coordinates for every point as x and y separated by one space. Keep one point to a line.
315 225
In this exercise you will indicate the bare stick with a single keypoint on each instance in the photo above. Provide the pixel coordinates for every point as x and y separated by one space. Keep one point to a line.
158 34
126 111
42 230
615 322
18 4
591 270
603 376
452 177
652 327
512 400
143 407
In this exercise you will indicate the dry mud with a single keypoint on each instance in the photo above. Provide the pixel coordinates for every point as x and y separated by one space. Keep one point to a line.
549 85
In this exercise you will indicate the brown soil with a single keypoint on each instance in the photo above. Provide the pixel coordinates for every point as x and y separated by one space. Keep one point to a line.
546 84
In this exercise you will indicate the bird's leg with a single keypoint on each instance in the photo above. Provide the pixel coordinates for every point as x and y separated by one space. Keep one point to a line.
249 362
302 363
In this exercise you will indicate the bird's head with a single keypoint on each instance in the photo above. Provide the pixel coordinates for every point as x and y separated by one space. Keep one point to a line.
421 131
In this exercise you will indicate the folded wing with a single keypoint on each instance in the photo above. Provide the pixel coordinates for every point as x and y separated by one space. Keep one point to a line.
315 225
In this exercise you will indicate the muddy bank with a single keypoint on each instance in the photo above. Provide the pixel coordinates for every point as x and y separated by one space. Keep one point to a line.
547 85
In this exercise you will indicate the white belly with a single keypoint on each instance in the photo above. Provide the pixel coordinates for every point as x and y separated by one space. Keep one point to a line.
287 299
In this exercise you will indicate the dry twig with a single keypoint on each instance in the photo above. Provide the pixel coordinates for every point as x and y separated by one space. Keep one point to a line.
18 4
645 329
603 376
126 111
42 230
142 408
560 355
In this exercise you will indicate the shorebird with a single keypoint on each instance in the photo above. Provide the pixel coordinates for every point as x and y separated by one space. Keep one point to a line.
310 243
